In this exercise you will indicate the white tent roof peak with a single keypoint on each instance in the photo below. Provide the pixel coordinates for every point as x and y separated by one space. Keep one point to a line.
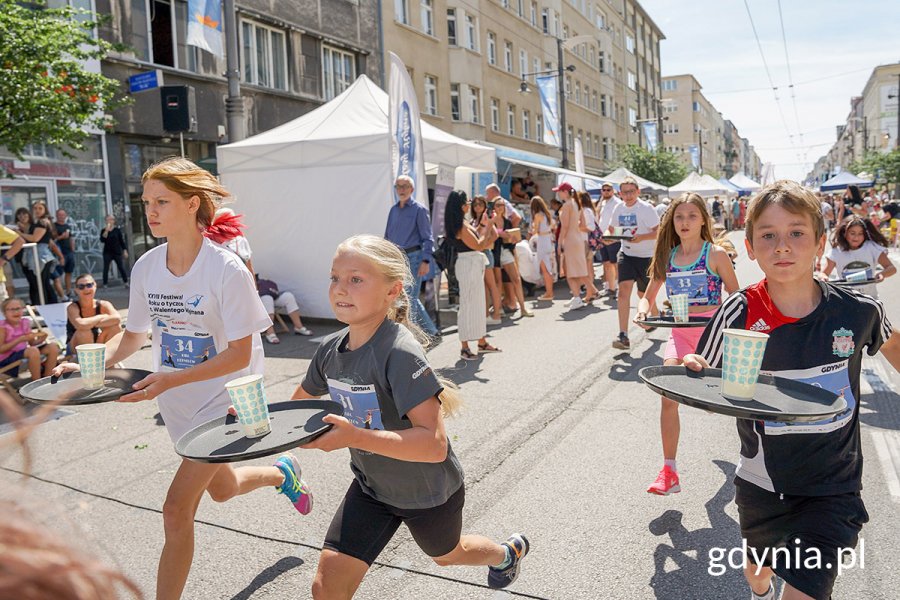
621 173
704 185
744 182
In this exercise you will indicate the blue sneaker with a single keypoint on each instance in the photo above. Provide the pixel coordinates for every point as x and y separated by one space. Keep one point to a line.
501 578
294 487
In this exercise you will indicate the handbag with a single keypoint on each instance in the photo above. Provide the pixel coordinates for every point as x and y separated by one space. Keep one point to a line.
595 238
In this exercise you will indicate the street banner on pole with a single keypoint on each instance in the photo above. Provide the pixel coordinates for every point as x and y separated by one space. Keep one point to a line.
406 131
650 135
694 150
579 156
205 26
443 185
548 88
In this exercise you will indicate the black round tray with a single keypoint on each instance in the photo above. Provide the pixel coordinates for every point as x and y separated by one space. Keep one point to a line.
618 238
69 389
669 321
845 283
222 440
776 399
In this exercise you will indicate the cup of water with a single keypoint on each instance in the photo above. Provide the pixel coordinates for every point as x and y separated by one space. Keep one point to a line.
249 400
742 356
92 364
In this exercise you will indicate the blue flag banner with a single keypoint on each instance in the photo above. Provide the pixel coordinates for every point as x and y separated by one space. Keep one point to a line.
205 26
407 153
650 135
694 149
549 90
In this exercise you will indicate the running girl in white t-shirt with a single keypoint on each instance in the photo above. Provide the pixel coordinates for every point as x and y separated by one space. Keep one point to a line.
685 261
857 245
200 303
404 467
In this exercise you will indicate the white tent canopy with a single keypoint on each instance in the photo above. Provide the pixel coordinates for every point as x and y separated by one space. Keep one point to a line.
305 186
745 183
840 182
580 181
704 185
617 176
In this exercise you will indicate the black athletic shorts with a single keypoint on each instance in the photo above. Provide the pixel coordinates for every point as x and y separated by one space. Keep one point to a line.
806 527
634 268
609 253
363 526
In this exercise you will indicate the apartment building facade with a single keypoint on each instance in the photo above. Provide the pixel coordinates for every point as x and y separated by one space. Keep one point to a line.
469 58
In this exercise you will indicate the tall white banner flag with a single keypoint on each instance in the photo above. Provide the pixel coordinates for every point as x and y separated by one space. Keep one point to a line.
579 156
549 91
407 154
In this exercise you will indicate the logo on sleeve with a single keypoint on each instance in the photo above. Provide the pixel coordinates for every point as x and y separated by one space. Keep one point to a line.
843 344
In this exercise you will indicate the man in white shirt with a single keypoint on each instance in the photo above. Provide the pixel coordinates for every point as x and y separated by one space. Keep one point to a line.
609 251
638 219
492 195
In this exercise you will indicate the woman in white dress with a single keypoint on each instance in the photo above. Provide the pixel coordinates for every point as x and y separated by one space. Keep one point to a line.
542 233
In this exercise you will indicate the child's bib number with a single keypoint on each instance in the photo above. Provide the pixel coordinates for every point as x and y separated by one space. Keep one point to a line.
692 283
184 351
360 402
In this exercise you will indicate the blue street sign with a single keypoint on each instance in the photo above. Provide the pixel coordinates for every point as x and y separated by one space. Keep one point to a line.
145 81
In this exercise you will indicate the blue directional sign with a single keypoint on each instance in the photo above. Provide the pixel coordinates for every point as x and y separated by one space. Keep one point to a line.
145 81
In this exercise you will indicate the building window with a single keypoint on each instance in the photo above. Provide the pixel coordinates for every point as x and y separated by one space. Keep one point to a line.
569 138
264 55
401 11
670 85
696 106
632 81
504 3
431 103
545 20
534 11
521 7
507 56
492 48
523 62
426 14
475 104
526 124
555 23
606 155
451 26
594 101
540 128
454 102
596 145
338 71
600 19
495 114
510 119
471 33
601 62
632 117
577 92
629 43
603 108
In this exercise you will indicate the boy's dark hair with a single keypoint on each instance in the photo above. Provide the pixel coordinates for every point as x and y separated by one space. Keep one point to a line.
839 238
792 197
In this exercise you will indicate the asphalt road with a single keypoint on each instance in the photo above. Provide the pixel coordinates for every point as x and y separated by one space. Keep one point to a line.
558 440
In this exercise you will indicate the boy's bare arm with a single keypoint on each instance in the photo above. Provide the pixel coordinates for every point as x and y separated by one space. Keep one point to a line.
891 350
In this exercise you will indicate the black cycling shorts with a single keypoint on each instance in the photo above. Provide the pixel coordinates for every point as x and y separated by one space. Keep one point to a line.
363 526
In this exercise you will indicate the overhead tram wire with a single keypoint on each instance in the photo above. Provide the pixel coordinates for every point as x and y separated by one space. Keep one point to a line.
787 63
799 83
769 76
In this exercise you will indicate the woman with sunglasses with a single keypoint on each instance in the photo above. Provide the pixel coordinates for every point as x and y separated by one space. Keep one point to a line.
90 321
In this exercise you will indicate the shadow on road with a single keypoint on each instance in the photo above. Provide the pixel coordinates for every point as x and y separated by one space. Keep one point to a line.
883 405
626 366
268 576
682 566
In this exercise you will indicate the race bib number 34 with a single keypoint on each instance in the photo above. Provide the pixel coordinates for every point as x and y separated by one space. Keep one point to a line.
184 351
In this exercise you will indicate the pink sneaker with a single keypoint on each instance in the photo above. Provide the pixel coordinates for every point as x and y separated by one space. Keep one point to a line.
666 483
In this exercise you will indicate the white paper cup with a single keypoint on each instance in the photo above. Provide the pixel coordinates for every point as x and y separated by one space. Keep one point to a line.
92 363
742 356
858 276
249 400
679 304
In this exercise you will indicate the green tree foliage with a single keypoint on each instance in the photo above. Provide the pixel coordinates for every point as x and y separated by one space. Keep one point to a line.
660 167
46 94
878 164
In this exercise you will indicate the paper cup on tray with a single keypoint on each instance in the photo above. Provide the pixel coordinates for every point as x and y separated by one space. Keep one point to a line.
742 356
92 363
679 304
859 276
249 400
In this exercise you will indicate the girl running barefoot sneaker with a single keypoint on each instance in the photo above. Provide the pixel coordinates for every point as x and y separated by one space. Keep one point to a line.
857 245
200 302
404 468
685 261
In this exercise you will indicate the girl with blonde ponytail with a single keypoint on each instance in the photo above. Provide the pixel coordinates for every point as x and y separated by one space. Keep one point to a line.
404 468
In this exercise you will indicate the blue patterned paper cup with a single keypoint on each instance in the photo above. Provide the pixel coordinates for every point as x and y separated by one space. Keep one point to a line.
249 400
92 363
742 356
679 304
859 276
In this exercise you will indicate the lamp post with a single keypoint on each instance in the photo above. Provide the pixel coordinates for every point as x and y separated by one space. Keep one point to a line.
234 104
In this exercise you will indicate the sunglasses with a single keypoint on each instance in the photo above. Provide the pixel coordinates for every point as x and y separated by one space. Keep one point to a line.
84 286
15 309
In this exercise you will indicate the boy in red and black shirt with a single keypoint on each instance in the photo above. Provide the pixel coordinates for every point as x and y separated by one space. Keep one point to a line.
798 485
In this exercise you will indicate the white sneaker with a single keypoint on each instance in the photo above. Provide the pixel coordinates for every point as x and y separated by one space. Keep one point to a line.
569 303
492 321
576 303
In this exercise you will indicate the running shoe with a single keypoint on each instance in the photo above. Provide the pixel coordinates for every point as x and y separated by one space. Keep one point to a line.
303 331
576 303
293 487
622 343
769 595
492 321
501 578
666 483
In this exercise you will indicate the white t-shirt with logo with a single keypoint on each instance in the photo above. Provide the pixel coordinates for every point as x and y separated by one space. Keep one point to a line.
192 318
640 218
606 212
851 261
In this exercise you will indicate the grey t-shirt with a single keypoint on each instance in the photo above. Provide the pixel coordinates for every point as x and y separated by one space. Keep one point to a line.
378 384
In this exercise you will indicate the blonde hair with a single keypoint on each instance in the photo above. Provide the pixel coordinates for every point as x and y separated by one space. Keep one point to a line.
792 197
187 179
668 238
389 260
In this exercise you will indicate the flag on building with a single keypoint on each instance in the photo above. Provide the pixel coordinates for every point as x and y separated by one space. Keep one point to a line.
205 26
407 154
650 134
549 91
694 151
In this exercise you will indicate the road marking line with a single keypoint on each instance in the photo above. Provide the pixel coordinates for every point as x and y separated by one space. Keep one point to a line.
887 445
